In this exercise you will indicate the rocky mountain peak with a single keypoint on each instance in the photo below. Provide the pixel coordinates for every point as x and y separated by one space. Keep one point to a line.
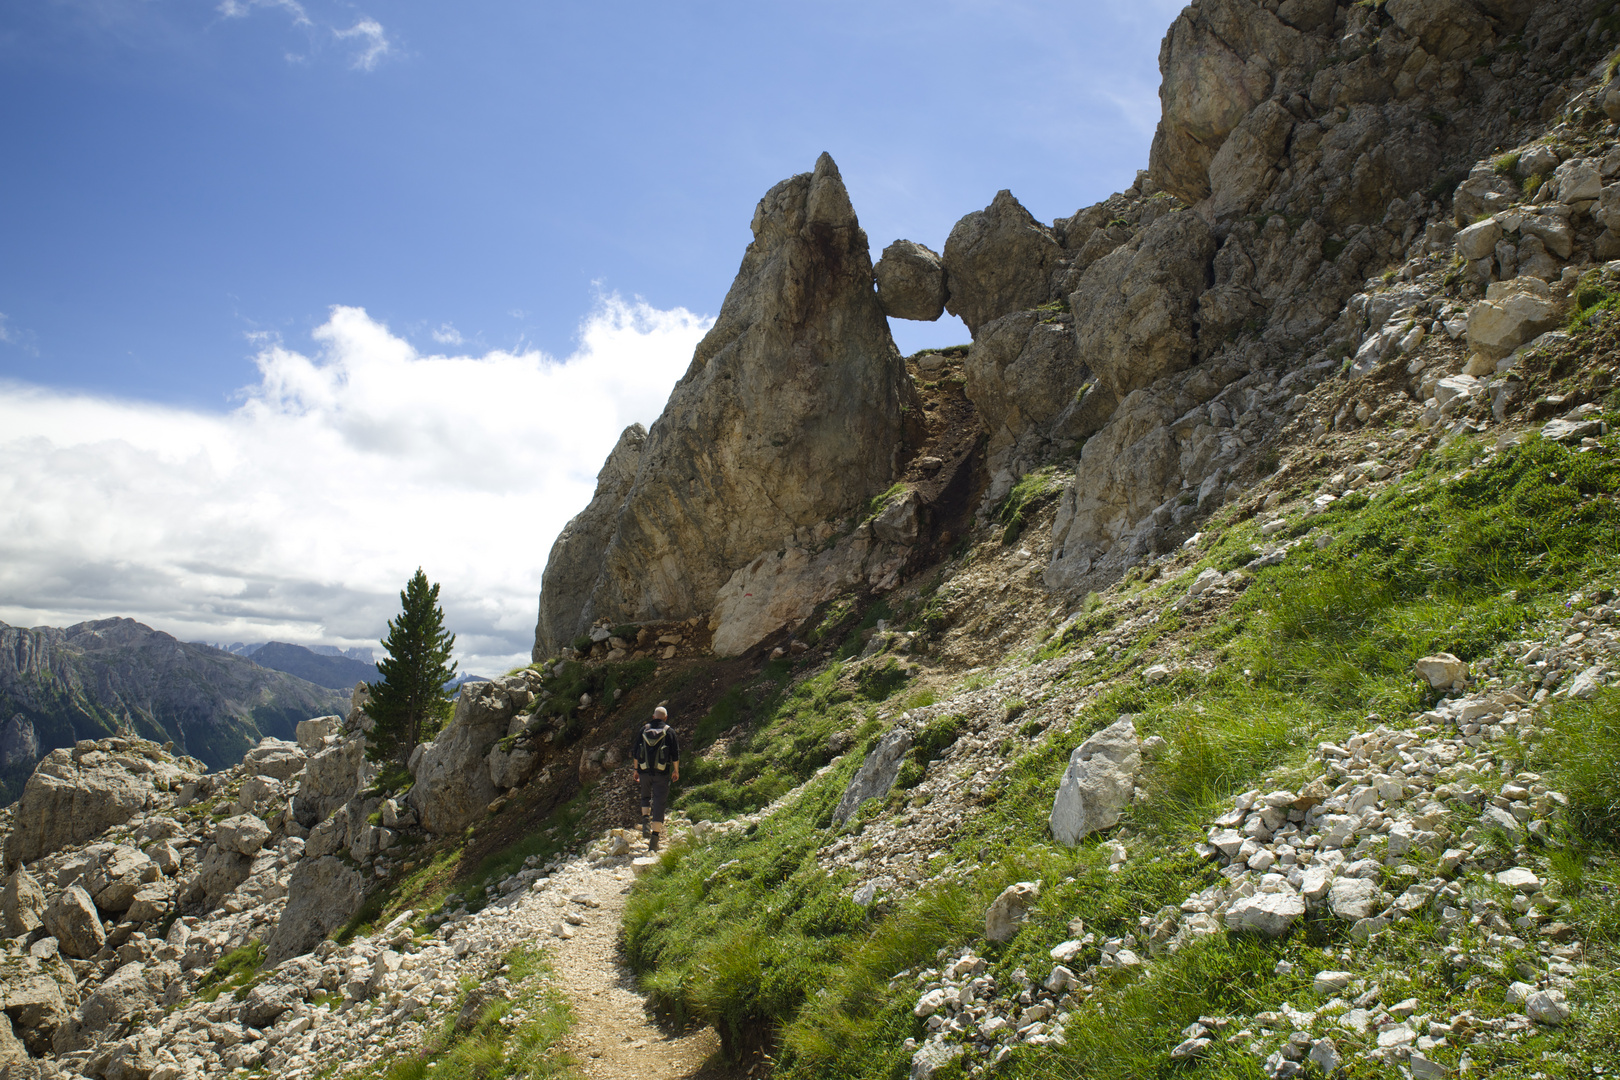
789 416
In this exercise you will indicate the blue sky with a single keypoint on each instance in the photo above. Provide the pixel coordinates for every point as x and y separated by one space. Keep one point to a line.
193 185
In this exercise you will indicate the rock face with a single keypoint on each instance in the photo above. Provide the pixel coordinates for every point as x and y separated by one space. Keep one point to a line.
1135 308
1099 783
910 282
453 785
1025 376
783 586
876 776
321 896
1218 62
998 260
789 416
575 564
75 795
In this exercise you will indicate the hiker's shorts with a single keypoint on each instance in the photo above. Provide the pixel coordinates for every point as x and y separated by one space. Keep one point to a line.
654 792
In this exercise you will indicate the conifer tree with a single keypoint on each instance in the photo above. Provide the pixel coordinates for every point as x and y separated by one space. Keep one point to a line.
409 704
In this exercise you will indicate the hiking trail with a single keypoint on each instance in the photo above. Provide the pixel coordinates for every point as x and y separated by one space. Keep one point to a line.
616 1035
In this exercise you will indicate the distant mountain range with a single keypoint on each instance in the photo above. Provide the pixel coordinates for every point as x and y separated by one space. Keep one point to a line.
364 655
335 670
119 676
324 665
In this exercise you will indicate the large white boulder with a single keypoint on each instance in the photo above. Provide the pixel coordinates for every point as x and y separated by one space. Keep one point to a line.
1353 899
244 834
1099 783
274 757
1442 671
321 896
1266 914
1511 314
73 921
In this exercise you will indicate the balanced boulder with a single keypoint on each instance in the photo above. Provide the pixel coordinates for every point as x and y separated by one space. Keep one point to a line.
910 282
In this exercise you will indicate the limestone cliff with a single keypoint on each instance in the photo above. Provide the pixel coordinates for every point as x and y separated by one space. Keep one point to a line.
1151 343
789 416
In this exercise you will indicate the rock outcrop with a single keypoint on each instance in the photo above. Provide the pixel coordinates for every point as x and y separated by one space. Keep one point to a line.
76 794
876 775
575 565
998 260
453 785
789 416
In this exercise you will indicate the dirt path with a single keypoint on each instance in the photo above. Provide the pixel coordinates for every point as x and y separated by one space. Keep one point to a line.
616 1035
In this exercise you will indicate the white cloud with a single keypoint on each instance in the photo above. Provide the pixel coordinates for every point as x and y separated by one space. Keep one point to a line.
241 9
447 335
21 339
299 515
374 43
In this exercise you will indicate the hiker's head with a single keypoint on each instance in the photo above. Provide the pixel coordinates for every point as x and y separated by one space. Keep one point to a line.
660 713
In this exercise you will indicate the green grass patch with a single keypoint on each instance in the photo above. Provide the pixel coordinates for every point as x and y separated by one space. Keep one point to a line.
790 731
515 1037
1032 490
235 972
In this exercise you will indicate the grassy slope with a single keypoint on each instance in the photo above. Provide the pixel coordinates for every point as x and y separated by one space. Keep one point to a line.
750 933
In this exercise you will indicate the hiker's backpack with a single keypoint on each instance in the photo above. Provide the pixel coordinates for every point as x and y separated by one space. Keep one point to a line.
652 752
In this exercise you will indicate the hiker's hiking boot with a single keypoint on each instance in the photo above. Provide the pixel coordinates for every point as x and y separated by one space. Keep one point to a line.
652 845
646 829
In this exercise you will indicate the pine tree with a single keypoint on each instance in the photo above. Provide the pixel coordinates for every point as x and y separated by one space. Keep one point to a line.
408 704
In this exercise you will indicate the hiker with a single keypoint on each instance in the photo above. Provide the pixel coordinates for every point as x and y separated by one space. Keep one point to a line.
656 756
